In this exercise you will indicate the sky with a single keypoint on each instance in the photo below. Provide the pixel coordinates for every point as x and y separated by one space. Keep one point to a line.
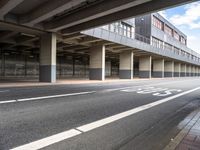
187 19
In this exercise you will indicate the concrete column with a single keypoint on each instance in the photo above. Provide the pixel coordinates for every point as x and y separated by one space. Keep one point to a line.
47 70
196 71
177 69
126 65
158 68
145 67
183 70
97 63
169 69
188 70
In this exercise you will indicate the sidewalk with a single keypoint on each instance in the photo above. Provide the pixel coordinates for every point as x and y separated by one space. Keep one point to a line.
24 83
189 137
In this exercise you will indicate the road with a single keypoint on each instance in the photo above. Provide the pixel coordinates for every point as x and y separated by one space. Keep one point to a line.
134 115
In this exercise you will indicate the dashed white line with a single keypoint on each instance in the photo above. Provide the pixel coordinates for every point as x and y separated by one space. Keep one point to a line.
91 126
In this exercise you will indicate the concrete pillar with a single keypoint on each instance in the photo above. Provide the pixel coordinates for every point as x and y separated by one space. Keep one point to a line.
126 65
183 70
188 70
97 63
192 71
47 70
196 71
169 69
177 69
158 68
145 67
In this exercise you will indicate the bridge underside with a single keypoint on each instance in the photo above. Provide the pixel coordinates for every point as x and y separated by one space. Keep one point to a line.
42 40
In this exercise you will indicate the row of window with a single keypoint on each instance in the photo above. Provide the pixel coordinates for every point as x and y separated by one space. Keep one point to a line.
121 28
162 45
160 25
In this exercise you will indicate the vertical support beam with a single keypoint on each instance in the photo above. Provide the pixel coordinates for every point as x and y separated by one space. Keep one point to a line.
158 68
188 70
48 58
97 63
177 69
198 71
183 70
145 67
126 65
169 69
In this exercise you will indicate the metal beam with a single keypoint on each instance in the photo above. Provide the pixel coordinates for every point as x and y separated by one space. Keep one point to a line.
145 8
92 12
8 5
48 10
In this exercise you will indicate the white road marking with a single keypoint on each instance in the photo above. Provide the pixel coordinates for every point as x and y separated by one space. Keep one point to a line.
9 101
88 127
45 97
81 93
4 91
49 140
54 96
116 117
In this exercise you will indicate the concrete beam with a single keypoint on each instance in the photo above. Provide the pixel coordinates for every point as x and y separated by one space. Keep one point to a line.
7 34
8 5
22 29
48 10
131 12
89 13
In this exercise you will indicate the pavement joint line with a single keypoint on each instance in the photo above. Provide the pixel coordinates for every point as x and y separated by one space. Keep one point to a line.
94 125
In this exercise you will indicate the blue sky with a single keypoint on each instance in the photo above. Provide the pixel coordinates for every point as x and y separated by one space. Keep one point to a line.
187 19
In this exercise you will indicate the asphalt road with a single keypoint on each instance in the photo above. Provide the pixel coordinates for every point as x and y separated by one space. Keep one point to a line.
134 115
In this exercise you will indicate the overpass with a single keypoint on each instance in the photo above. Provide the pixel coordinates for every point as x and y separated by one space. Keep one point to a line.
35 31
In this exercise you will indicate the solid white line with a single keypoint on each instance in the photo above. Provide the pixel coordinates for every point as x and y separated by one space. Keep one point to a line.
81 93
116 117
54 96
49 140
45 97
9 101
4 91
88 127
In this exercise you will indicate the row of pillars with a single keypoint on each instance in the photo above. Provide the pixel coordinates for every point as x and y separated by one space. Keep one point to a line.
148 67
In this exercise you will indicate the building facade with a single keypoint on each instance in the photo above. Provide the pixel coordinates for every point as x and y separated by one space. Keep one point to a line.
145 46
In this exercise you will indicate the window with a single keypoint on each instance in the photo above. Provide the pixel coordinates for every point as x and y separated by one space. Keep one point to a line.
157 43
176 50
157 23
183 40
168 46
176 35
168 30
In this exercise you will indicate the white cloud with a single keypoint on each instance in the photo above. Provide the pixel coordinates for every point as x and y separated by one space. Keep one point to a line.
163 13
193 43
190 18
